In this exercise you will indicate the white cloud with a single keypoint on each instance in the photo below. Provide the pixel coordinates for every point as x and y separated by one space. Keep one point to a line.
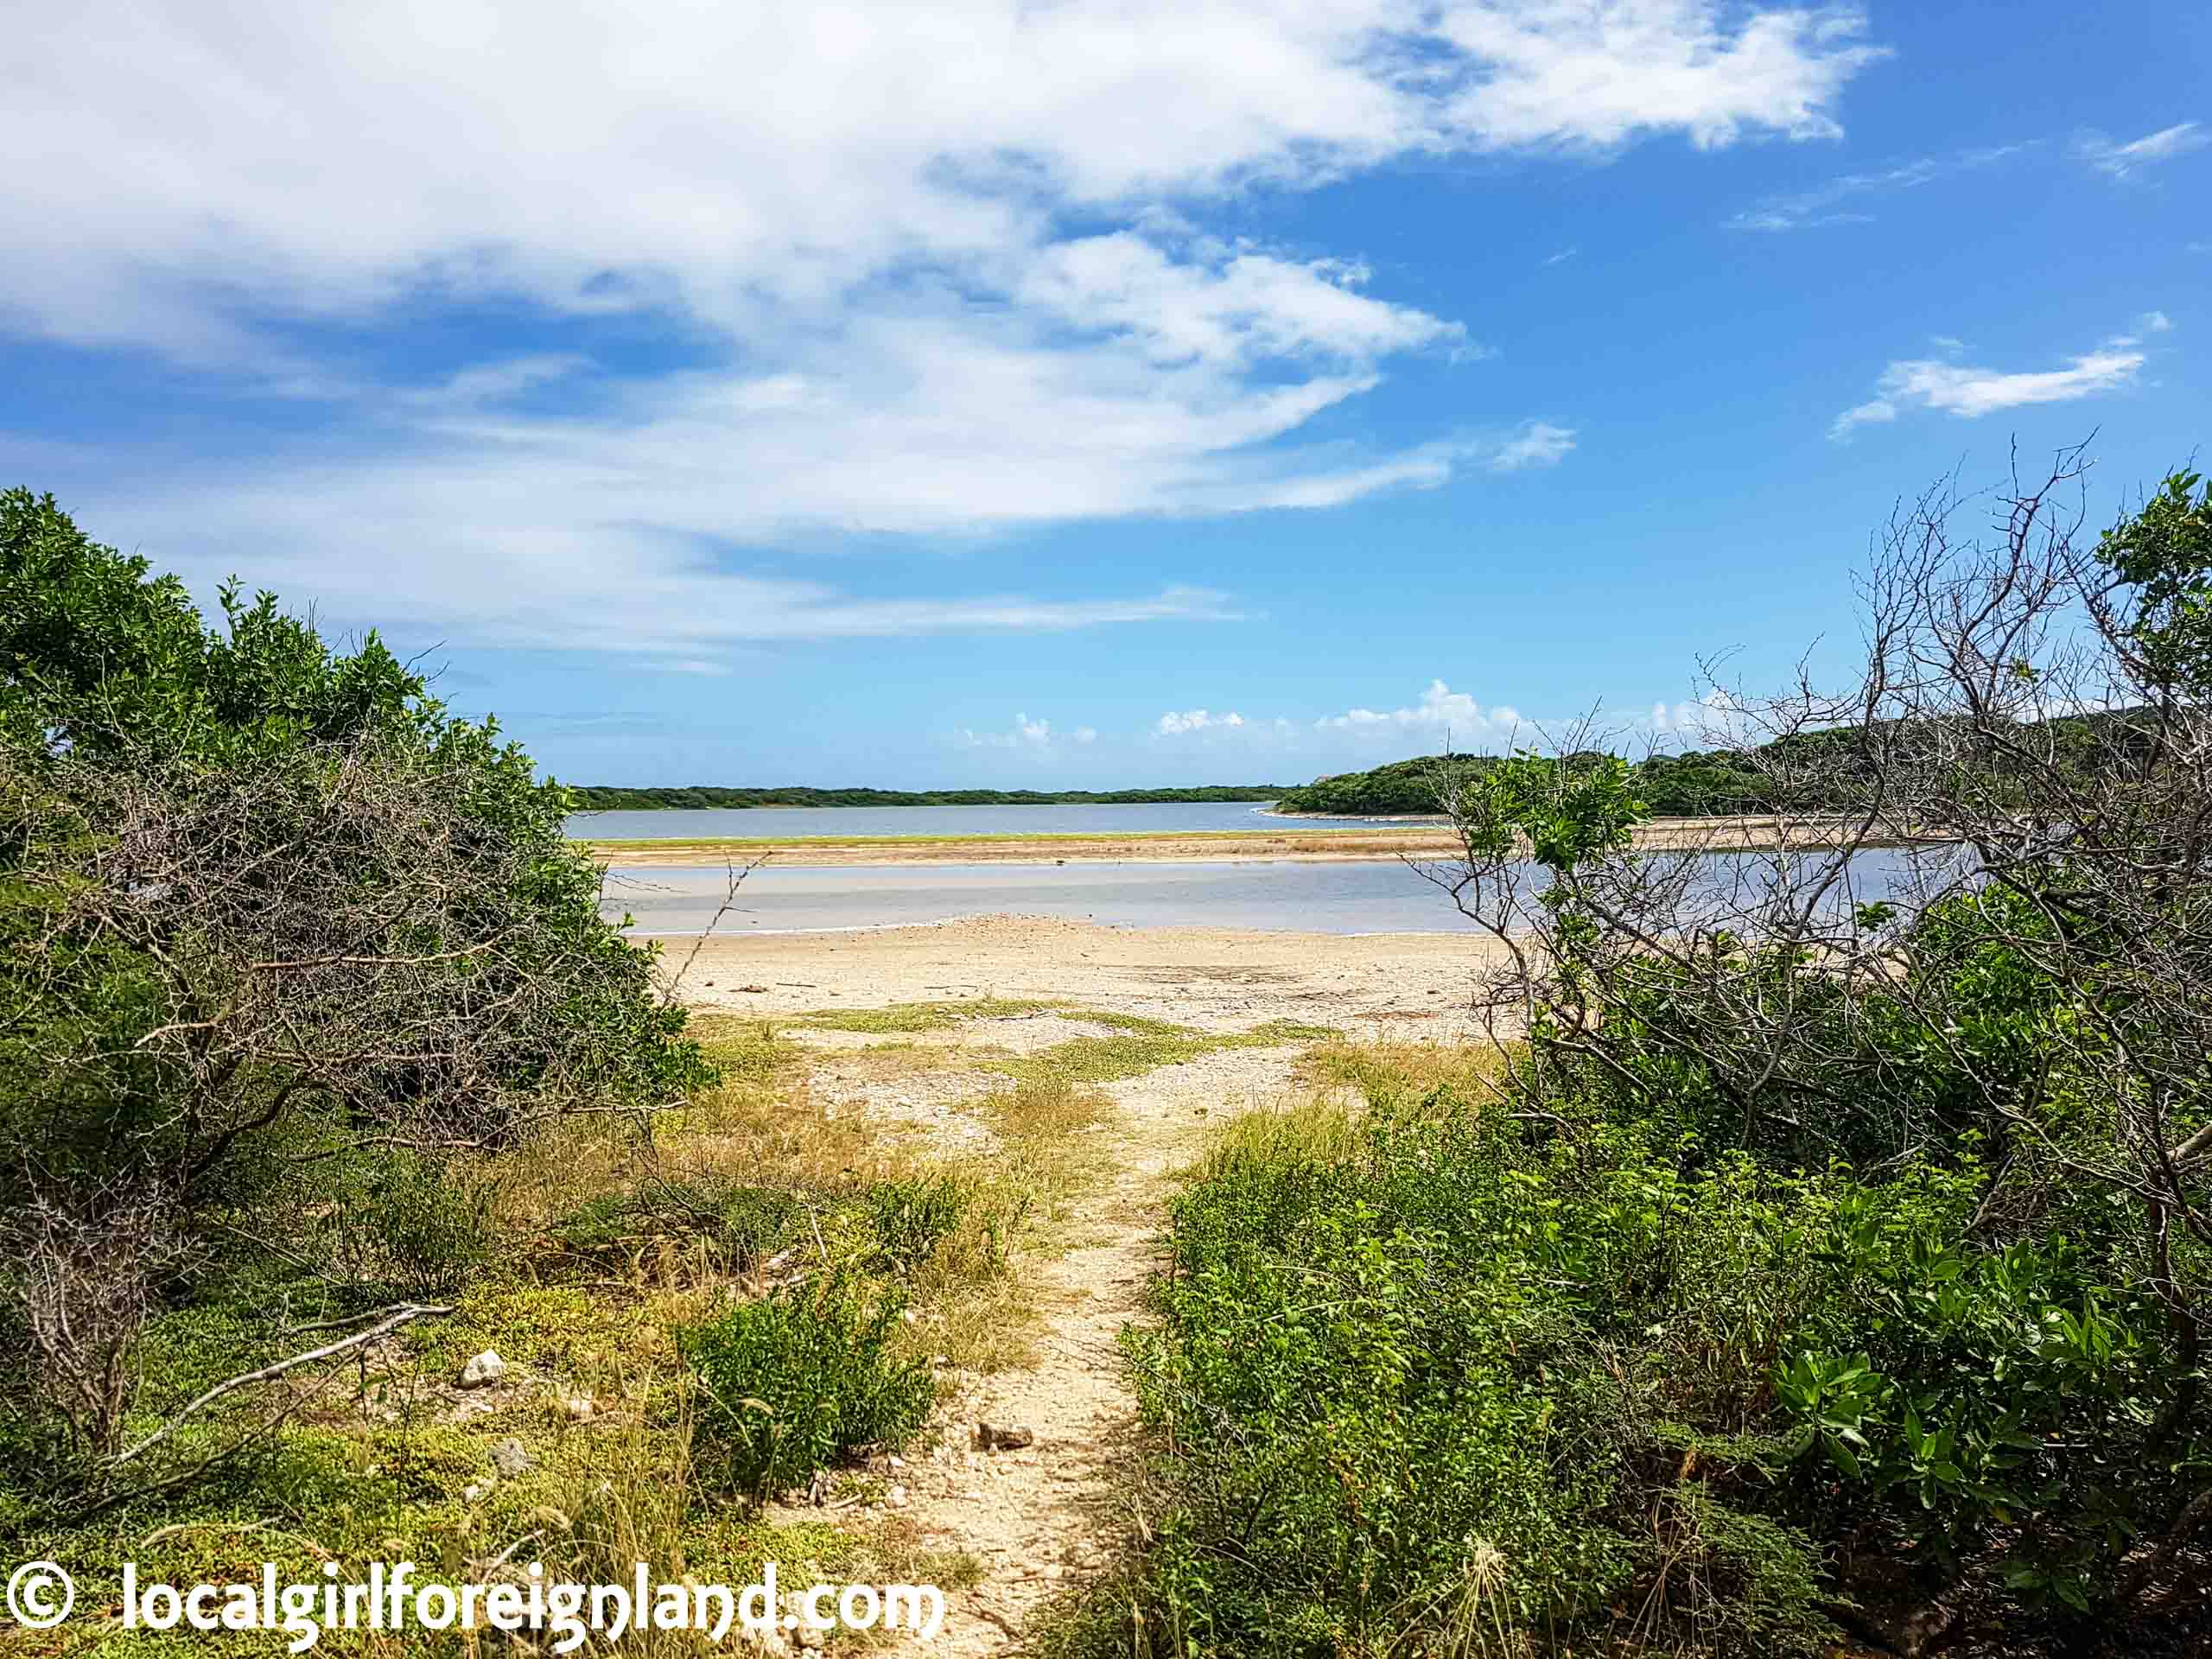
1585 75
931 266
1716 719
1241 309
1562 256
1173 724
1539 443
736 160
2154 322
1024 734
527 544
1821 204
1441 712
1874 411
2120 161
1969 393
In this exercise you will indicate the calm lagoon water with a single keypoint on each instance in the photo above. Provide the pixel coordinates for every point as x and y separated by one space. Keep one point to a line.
682 823
1380 896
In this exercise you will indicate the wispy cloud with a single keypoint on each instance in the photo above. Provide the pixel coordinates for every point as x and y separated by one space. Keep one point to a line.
1175 724
505 550
1437 718
1825 203
1969 393
1024 734
892 288
1538 443
1440 712
1562 256
2121 160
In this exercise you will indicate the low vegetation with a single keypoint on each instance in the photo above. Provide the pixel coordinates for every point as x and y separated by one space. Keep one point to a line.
324 1074
1804 1262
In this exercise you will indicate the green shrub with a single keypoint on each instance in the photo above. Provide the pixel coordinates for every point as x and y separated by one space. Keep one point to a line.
417 1227
743 1226
760 1221
1431 1387
909 1217
797 1380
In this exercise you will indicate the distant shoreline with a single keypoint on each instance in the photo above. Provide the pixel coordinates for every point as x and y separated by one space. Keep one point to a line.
1354 818
1413 840
608 798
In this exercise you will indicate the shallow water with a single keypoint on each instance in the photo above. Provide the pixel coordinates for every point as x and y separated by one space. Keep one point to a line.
1349 897
693 823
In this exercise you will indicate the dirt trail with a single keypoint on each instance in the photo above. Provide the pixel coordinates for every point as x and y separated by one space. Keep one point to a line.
1042 1518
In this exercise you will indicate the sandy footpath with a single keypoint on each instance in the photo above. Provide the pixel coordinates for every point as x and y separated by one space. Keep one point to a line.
1044 1520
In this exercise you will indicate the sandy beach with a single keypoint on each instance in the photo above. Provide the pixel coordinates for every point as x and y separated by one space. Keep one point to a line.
1410 840
1214 978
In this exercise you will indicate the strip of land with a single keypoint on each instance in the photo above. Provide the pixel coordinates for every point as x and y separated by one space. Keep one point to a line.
1305 842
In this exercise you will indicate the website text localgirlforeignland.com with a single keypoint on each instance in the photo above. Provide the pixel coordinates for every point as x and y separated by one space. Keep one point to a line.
40 1596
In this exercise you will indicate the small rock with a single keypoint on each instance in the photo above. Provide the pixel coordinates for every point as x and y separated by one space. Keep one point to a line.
896 1497
1056 1571
477 1490
481 1372
754 990
510 1458
579 1407
1000 1437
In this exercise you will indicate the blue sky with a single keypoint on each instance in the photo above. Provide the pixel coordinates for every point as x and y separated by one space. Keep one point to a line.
1072 395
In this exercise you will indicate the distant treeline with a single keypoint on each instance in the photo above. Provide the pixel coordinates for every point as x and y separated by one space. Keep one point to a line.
601 798
1687 785
1806 771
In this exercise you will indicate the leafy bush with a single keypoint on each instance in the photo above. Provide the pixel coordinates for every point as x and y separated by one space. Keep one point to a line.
1584 1376
1439 1383
797 1380
272 910
417 1227
909 1217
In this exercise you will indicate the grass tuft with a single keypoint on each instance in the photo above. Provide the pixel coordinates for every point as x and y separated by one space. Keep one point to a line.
1138 1045
907 1018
